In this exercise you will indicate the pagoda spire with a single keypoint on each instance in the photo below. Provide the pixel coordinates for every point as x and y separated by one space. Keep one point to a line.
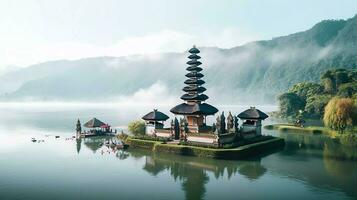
194 98
194 88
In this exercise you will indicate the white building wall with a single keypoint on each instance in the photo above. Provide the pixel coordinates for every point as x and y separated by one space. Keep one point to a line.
149 129
201 139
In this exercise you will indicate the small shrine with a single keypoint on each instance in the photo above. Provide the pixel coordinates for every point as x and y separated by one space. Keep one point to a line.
252 121
154 121
96 128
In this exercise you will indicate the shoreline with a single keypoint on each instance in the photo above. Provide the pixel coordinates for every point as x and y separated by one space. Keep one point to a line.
307 129
241 152
349 137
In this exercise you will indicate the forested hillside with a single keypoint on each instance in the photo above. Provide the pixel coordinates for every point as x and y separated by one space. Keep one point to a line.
255 72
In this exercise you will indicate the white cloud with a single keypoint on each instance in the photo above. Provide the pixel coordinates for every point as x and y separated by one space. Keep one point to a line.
163 41
156 94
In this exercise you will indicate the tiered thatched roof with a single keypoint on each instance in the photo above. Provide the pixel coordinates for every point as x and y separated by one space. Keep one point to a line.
194 90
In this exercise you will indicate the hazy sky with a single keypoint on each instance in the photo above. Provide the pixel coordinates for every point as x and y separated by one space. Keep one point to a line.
33 31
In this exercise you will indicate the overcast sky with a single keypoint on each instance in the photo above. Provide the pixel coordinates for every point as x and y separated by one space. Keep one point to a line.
33 31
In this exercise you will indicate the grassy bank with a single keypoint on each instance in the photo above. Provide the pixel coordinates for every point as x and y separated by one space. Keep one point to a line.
348 137
293 128
233 153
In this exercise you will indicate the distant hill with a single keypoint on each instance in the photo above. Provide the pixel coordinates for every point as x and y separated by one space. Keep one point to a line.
255 72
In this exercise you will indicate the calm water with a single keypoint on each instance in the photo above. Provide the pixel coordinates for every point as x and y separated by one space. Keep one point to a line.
310 167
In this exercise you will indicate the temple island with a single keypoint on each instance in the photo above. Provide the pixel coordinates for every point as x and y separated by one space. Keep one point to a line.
191 135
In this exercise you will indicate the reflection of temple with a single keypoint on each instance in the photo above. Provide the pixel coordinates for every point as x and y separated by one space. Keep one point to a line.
194 172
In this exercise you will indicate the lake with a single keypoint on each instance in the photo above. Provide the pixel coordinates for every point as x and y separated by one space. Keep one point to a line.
309 167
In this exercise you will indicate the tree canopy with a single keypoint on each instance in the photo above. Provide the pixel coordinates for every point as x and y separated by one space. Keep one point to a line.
315 96
290 104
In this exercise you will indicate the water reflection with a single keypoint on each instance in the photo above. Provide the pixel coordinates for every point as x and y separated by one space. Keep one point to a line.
96 144
192 172
315 159
78 144
308 167
317 145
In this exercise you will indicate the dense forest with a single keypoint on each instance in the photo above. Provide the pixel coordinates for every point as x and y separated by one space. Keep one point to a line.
334 99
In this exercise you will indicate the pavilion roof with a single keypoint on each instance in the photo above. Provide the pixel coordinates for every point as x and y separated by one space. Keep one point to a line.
195 109
94 123
155 115
252 113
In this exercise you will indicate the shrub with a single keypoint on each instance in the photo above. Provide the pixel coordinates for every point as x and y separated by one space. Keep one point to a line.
137 127
123 136
339 113
152 138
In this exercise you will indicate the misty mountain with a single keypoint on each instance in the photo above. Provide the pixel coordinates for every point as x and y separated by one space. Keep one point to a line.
257 71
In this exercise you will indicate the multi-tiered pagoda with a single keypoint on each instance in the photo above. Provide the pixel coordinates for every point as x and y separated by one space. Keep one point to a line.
194 109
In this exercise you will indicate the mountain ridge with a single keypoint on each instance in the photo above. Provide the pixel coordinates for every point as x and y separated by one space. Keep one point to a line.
255 71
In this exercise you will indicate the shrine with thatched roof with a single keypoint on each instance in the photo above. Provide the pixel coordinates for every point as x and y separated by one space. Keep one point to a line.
96 128
252 121
154 121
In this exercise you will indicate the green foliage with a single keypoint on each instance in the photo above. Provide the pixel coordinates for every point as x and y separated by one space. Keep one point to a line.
332 79
290 104
137 127
340 113
306 89
122 136
349 139
347 89
337 82
147 144
152 138
315 105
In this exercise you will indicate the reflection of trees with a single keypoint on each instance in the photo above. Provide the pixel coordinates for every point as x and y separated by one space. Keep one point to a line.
192 171
78 144
338 162
336 159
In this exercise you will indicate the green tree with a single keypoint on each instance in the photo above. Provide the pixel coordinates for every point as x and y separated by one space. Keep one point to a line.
340 113
332 79
347 89
315 105
137 127
306 89
290 104
329 82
